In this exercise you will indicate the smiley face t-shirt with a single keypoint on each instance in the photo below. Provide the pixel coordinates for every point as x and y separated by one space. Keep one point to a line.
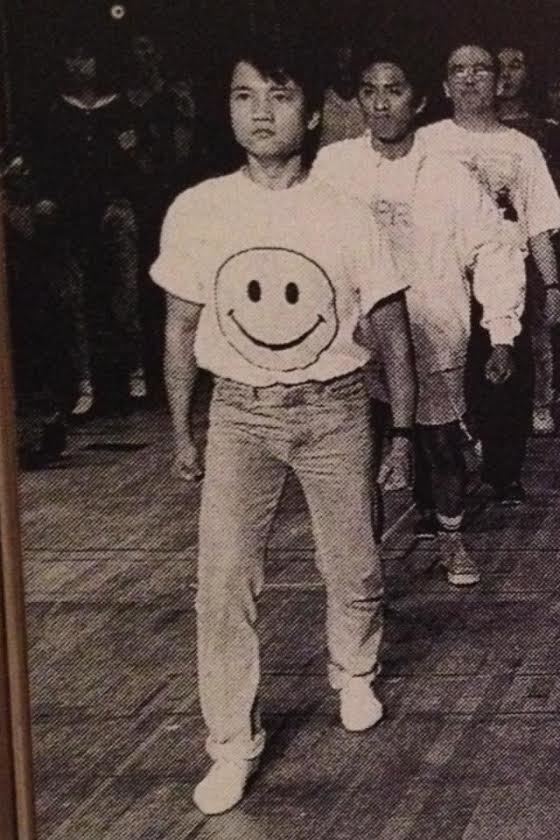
283 277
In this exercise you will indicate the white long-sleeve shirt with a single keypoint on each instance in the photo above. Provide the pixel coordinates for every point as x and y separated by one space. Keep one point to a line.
447 240
508 166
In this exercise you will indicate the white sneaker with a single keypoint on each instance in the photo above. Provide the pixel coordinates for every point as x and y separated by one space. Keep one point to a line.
224 785
460 567
543 421
137 384
84 402
359 707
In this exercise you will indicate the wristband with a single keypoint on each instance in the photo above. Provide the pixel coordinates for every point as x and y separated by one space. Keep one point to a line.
402 432
552 286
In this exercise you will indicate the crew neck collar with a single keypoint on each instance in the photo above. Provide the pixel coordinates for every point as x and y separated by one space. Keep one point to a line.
415 152
500 128
296 187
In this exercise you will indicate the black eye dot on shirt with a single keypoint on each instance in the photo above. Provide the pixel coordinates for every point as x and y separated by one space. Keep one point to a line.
254 291
292 293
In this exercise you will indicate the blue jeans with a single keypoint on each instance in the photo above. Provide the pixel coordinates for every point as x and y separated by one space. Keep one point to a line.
321 431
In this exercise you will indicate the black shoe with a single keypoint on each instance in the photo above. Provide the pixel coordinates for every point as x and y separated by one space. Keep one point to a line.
30 460
53 440
513 495
426 528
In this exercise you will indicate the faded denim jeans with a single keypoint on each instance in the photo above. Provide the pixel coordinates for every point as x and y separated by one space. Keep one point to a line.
322 432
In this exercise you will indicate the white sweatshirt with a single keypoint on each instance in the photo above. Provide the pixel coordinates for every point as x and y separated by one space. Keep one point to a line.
447 239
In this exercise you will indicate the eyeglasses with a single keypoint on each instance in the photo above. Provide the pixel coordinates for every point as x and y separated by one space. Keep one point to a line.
478 71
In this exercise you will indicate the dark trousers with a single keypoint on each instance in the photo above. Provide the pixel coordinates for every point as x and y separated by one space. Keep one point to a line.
149 216
107 315
42 282
501 414
440 470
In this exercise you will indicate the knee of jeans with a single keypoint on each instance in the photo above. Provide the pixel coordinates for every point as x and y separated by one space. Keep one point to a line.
220 597
354 586
119 216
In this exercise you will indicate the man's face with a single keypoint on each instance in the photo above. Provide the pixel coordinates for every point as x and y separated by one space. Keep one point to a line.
144 52
471 80
387 101
80 65
513 73
269 118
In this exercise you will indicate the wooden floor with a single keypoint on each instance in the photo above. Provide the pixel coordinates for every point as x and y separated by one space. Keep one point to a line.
470 747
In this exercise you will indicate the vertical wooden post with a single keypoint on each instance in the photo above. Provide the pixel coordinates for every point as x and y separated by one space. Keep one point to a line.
8 824
16 786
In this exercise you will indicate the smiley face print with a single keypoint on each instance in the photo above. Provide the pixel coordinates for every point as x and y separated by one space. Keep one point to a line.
276 308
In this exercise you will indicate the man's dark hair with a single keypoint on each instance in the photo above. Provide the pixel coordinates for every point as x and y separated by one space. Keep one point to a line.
283 59
514 43
416 71
95 42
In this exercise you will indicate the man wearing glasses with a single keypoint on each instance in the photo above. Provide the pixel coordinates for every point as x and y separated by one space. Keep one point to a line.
512 169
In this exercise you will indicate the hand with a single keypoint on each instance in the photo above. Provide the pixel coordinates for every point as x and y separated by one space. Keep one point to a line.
186 464
552 306
128 140
396 469
499 366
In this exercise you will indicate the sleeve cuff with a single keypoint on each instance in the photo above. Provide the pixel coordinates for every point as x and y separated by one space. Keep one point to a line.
164 275
503 330
369 301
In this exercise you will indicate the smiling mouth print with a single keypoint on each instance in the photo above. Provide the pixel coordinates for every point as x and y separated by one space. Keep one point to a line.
276 307
287 345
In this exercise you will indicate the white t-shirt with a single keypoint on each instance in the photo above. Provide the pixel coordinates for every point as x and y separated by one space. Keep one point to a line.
439 223
386 186
283 277
509 166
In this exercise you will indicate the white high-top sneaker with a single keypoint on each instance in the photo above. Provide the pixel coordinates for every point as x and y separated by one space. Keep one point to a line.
224 785
84 402
359 707
460 567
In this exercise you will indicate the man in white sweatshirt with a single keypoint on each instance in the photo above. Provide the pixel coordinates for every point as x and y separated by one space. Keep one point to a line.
440 224
511 169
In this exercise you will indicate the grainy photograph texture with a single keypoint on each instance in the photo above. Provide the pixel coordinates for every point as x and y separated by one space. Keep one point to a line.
284 307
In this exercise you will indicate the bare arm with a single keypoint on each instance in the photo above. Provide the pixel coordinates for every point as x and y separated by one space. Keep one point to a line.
545 258
544 255
390 321
180 376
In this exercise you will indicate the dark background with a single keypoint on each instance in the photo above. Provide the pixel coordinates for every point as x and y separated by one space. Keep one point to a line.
194 30
195 33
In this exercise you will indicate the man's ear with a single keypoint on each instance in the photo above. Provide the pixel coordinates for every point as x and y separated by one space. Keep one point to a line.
421 106
314 120
446 90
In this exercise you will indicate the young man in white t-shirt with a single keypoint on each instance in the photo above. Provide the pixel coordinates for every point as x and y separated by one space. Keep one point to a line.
440 224
267 274
512 170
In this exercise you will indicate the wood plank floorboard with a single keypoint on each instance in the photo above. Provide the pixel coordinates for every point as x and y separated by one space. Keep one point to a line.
469 748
